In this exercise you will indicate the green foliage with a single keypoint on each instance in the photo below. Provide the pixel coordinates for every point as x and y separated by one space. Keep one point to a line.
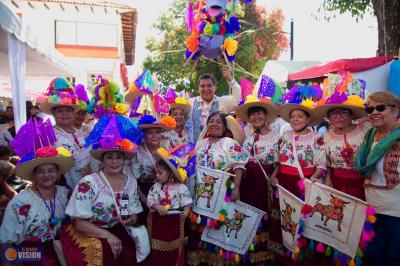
356 8
167 53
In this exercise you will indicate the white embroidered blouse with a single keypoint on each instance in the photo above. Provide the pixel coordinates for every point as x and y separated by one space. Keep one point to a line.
177 195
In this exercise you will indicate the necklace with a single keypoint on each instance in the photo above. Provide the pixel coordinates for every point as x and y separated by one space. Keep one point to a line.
53 220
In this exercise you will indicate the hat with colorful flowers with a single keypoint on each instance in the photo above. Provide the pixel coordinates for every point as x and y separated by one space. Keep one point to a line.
251 101
59 93
180 103
180 160
165 123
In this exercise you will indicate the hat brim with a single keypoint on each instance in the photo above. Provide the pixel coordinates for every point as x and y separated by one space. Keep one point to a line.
357 112
47 107
286 109
233 127
185 107
242 111
173 169
162 127
25 169
97 154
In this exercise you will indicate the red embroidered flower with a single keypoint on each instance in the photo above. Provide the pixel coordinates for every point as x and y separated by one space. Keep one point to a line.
303 163
237 148
83 187
320 141
23 210
46 152
283 158
347 153
114 213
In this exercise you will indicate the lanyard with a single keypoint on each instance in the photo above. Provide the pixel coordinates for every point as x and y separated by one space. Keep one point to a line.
74 137
52 220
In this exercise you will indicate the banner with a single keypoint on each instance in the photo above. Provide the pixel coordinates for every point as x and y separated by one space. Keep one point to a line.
336 219
290 212
209 191
238 229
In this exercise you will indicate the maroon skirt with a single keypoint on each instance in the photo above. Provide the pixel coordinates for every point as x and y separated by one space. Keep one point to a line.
289 177
81 250
167 236
348 181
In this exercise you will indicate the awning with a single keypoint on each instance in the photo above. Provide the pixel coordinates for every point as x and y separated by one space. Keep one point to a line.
352 65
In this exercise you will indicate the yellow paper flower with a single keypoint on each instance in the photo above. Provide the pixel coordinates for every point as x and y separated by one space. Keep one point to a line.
355 101
251 99
167 207
121 108
63 152
163 152
182 172
230 46
308 103
168 121
181 100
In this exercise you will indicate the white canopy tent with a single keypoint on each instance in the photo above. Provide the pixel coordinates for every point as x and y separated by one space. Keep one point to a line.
23 58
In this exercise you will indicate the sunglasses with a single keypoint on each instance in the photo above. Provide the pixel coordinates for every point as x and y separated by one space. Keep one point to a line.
380 108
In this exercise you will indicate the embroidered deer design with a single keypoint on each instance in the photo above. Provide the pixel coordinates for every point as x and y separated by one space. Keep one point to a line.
288 225
333 211
235 223
206 189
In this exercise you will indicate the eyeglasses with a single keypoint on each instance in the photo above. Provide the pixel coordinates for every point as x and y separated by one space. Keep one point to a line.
339 114
380 108
50 171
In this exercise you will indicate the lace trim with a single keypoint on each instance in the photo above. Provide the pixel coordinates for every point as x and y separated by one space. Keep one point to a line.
92 248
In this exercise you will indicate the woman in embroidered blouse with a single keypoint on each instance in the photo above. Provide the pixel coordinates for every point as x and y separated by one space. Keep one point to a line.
301 151
67 136
34 217
217 151
169 201
179 110
342 143
378 161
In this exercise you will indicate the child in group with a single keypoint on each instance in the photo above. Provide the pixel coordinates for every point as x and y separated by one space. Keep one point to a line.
169 201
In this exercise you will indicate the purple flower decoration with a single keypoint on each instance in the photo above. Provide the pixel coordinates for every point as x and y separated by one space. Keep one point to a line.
336 98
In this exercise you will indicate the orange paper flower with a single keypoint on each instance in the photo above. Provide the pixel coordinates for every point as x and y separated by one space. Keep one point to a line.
168 121
192 42
126 145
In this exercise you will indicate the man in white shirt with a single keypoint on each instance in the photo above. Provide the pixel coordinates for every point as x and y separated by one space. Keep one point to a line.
208 102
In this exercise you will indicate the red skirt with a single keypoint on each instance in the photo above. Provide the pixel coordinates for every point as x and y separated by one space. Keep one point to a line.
289 177
81 250
348 181
49 257
167 236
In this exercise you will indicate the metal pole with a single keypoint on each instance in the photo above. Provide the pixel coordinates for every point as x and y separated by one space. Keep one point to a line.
291 39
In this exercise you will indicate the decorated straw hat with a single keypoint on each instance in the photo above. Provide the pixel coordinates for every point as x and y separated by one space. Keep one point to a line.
180 160
165 123
251 101
343 91
59 93
113 132
82 96
233 127
302 97
181 103
33 143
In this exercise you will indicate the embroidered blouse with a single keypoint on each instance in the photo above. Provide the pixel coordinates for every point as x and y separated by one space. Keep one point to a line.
263 147
142 165
177 195
92 200
310 150
27 217
74 143
172 138
342 149
224 154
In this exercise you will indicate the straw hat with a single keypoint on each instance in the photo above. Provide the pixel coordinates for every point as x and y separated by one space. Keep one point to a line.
45 155
179 160
165 123
270 108
181 103
233 127
60 93
353 103
286 109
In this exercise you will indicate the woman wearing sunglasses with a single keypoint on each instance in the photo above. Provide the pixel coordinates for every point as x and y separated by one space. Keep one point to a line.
343 141
378 161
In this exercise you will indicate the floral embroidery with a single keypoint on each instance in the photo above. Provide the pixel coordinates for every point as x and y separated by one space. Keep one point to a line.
265 147
24 209
84 187
320 141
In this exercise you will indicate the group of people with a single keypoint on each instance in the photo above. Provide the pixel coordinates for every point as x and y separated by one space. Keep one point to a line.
127 204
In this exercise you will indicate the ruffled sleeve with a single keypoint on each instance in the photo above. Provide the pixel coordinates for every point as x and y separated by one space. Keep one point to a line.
319 153
81 202
134 206
236 157
184 196
152 196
